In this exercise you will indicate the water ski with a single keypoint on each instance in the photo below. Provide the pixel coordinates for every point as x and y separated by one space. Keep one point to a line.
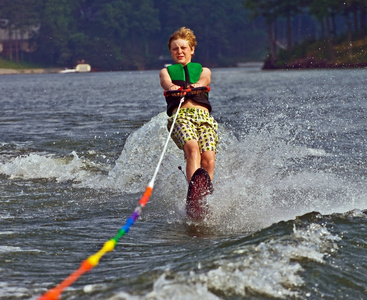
199 187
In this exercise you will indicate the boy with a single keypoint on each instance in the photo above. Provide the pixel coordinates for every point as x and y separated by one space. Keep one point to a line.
195 131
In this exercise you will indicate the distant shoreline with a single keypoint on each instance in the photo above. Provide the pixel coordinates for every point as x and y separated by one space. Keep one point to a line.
266 66
29 71
308 64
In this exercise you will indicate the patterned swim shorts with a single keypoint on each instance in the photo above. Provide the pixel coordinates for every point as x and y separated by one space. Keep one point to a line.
194 123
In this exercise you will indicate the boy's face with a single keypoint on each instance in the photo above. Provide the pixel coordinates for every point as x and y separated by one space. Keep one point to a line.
181 52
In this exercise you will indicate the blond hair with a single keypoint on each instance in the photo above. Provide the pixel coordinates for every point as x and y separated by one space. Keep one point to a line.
185 34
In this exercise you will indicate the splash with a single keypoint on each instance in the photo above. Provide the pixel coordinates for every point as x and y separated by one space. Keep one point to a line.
261 177
264 177
37 166
271 268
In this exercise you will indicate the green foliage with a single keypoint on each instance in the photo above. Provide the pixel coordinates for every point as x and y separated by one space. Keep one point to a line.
349 15
315 54
8 64
120 34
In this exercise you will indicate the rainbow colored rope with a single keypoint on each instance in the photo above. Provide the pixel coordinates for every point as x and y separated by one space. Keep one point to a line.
93 260
108 246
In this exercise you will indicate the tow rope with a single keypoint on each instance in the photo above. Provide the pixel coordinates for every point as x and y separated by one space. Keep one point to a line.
93 260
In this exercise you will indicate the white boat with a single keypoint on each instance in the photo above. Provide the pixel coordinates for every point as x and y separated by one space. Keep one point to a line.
83 68
80 68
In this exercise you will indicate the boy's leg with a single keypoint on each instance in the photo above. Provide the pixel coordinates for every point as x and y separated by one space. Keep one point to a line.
208 162
192 154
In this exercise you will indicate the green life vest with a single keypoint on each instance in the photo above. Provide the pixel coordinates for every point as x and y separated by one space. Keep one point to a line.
185 75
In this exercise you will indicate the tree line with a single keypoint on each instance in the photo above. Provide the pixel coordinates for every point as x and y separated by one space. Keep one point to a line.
122 34
335 18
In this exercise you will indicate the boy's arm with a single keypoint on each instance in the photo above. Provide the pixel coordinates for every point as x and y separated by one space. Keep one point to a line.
166 82
204 79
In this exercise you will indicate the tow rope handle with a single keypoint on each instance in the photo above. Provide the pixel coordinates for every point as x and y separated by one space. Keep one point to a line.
181 92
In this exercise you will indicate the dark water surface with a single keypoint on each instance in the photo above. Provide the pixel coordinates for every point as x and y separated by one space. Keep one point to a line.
288 217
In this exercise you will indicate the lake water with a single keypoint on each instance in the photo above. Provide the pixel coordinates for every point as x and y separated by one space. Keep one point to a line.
288 215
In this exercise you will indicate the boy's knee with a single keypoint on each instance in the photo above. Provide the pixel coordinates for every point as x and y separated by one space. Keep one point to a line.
208 159
207 163
191 148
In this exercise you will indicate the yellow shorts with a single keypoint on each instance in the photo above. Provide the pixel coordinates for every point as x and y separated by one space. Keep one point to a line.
194 123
